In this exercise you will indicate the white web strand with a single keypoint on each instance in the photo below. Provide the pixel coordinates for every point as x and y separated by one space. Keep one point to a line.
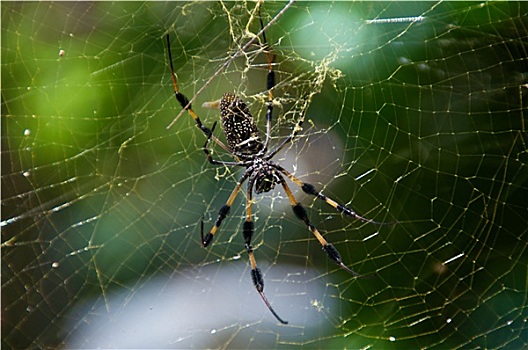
413 111
232 58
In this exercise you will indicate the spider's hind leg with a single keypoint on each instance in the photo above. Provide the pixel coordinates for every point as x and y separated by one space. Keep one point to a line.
256 273
310 189
329 248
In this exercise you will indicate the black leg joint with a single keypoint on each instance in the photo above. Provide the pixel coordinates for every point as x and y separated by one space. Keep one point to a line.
271 79
332 253
212 129
207 132
342 209
206 239
268 112
247 230
184 101
258 281
222 214
300 212
310 189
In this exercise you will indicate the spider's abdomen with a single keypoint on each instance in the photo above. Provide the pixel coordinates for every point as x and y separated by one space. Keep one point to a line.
243 137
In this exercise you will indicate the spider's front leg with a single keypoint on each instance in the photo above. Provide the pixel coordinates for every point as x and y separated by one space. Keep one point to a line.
270 84
186 105
208 153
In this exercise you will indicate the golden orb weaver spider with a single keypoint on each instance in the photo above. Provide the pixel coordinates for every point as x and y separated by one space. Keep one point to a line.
245 144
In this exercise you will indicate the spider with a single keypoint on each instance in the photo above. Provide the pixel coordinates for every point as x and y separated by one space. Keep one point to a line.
245 144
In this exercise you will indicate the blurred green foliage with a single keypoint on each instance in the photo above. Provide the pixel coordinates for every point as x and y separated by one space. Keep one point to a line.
429 116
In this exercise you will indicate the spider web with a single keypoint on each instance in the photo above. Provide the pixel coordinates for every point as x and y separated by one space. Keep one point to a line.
413 112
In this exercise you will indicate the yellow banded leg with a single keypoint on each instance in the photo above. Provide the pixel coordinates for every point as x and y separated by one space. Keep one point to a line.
300 212
222 213
310 189
256 273
184 103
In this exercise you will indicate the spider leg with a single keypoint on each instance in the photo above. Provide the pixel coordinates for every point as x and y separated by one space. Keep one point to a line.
222 213
210 157
330 250
256 273
270 84
186 105
296 129
310 189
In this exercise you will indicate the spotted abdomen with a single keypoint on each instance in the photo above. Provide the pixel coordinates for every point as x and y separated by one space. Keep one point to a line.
243 137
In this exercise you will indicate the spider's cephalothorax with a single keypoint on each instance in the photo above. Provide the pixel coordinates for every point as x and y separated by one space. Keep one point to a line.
265 174
261 174
243 137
